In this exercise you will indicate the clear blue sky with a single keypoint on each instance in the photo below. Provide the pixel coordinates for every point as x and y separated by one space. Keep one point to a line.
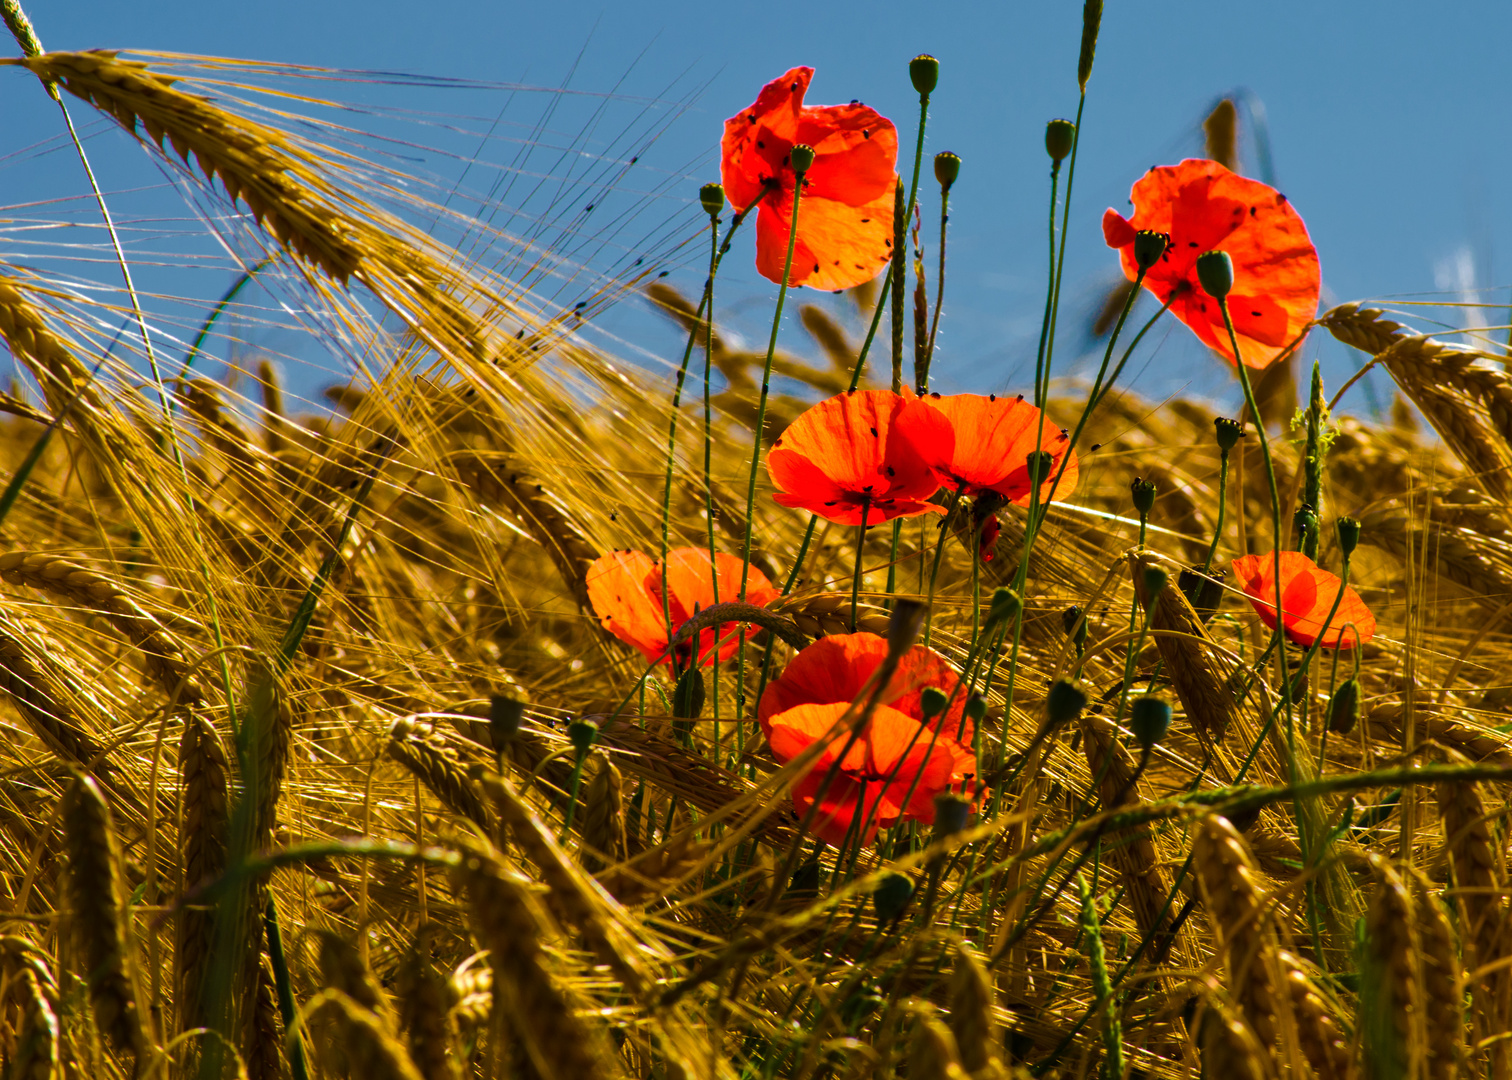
1390 122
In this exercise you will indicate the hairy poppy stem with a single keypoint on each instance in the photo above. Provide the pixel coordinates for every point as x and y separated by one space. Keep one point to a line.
934 571
1223 476
708 454
860 551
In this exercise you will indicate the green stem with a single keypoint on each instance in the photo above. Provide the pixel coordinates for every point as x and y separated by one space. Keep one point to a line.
1223 472
860 551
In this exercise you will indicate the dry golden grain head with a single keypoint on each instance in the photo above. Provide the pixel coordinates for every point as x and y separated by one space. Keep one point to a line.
203 774
820 614
1443 982
1392 1012
1476 877
1319 1036
35 1056
342 967
933 1054
1221 132
364 1044
36 697
425 1002
425 755
1190 658
972 1019
603 816
262 1043
98 917
1229 1048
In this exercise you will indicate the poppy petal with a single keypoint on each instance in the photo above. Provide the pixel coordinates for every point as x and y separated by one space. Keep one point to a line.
855 151
1307 595
1116 229
691 588
993 438
745 164
838 246
625 607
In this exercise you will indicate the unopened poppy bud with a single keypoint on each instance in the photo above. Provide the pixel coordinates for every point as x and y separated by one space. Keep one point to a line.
801 157
975 707
932 701
1059 135
924 70
1005 605
1149 246
1205 591
1091 21
1349 535
891 898
1215 272
904 624
1344 707
1065 703
506 712
1143 492
1040 463
951 814
1075 626
1154 580
947 168
1229 432
1149 719
688 696
713 198
1305 521
582 734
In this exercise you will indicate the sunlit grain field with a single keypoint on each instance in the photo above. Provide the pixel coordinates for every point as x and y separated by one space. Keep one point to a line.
411 734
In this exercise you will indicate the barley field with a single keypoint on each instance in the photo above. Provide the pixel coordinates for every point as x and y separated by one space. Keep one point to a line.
522 712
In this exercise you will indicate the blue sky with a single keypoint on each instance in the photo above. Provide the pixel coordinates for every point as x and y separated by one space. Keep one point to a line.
1389 128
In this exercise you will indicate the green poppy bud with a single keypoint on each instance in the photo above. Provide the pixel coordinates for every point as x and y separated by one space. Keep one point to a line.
713 199
1349 535
1059 136
1344 707
904 624
1144 494
1305 521
932 701
688 696
1229 432
951 814
1040 463
1005 605
1065 703
891 898
947 168
1215 272
1075 626
924 70
1149 719
582 734
1149 246
801 158
975 708
1154 580
506 712
1204 591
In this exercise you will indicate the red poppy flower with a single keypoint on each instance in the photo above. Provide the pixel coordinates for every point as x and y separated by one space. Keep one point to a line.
989 446
859 451
625 588
845 224
835 668
892 755
1307 595
1204 207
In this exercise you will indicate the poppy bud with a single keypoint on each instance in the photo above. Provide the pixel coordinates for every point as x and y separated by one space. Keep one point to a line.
1075 627
1059 135
1144 494
947 168
1205 591
891 898
1040 463
1005 605
1215 272
932 701
1344 707
1091 20
1349 535
975 708
801 158
951 814
1154 580
904 624
1149 719
1229 432
713 199
688 696
1149 246
1065 703
582 734
924 70
506 713
1305 521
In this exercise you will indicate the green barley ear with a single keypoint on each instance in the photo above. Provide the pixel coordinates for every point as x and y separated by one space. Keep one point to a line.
1091 22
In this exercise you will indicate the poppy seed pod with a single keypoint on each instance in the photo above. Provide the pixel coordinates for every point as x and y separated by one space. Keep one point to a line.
924 71
801 157
1229 432
951 814
1005 605
1149 719
582 734
713 198
976 708
904 624
1149 246
505 715
1344 707
1349 535
1059 136
1154 580
1215 273
891 898
1143 492
1065 703
932 702
947 168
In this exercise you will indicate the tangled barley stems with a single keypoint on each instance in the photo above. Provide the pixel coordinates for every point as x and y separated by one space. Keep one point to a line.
36 698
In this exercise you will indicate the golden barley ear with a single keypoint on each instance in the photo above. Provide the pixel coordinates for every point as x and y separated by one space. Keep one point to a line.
427 756
1392 999
425 1013
973 1017
363 1044
34 992
98 916
204 778
604 817
1189 654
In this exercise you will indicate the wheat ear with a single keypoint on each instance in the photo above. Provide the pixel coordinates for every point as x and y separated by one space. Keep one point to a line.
1392 1007
204 776
1318 1034
425 1014
933 1053
972 1013
1443 981
36 698
342 968
1230 1049
1188 652
365 1044
428 757
604 817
